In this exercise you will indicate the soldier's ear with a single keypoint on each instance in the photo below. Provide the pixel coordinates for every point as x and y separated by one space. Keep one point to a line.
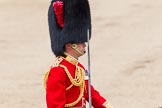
68 45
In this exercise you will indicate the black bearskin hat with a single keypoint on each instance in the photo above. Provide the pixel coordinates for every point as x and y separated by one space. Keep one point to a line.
69 22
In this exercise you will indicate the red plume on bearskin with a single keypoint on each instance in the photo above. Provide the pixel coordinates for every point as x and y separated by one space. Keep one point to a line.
58 9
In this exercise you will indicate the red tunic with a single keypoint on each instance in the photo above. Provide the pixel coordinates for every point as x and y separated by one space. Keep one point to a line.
57 95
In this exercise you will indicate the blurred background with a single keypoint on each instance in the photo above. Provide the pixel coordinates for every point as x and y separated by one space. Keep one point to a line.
126 52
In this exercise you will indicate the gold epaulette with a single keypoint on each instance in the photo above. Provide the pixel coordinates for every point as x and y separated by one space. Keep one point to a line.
57 61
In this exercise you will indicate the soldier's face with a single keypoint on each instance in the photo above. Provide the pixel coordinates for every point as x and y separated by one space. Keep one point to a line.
76 50
82 47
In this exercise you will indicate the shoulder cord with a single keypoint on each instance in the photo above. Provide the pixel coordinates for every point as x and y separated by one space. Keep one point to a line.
77 81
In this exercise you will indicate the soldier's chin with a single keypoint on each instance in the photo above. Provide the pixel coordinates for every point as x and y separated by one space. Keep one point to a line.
82 53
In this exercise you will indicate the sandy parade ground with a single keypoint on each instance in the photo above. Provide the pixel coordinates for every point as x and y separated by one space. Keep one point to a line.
126 52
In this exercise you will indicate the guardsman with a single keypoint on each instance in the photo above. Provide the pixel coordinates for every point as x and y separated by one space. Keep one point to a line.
66 82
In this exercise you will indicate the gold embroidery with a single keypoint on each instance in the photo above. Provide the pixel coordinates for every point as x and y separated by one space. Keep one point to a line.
71 59
57 61
107 105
